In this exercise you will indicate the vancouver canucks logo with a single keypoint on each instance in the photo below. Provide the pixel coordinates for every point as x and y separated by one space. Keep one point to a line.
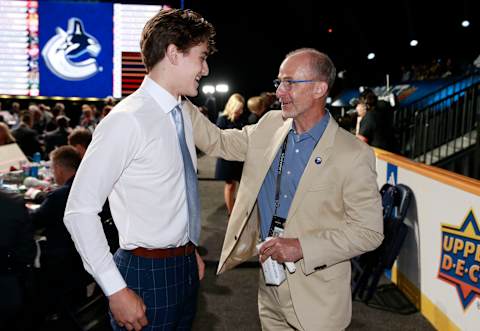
71 54
460 261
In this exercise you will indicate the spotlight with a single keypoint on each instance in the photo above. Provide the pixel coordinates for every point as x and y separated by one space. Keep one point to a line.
413 42
221 88
371 56
208 89
466 23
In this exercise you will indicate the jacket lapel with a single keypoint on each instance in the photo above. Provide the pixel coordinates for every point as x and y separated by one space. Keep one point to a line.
270 150
277 141
312 170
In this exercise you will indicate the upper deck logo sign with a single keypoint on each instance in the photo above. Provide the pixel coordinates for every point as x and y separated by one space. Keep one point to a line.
71 54
460 259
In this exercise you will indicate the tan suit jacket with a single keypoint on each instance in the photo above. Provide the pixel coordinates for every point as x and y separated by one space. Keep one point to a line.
336 212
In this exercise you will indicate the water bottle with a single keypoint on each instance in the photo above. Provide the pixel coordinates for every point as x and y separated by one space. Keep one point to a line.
36 162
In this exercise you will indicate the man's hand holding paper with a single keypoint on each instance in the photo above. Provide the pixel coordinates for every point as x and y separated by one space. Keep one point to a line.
281 250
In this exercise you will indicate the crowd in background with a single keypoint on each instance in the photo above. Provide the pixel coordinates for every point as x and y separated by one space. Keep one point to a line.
36 295
41 128
437 68
39 285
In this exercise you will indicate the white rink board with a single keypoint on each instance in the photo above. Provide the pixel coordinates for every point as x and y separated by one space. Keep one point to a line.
435 203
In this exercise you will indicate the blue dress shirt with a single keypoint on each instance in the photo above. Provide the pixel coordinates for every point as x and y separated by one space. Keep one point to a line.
299 149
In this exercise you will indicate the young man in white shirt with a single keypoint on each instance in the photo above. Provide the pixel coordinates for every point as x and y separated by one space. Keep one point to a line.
138 161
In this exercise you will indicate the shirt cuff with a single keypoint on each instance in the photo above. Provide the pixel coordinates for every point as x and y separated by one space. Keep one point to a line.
111 281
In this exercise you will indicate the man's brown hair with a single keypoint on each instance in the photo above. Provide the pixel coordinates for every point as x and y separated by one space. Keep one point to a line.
80 136
66 157
182 28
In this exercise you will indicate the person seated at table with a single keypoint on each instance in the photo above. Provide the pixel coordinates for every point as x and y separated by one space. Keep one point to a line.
87 120
17 252
59 136
61 273
6 136
80 138
26 137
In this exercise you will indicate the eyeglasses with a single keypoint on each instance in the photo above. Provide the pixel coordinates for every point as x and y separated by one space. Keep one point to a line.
288 83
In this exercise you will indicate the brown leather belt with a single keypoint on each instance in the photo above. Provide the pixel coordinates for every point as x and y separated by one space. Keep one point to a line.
162 253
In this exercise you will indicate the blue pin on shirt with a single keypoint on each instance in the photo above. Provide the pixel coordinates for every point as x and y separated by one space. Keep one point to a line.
318 160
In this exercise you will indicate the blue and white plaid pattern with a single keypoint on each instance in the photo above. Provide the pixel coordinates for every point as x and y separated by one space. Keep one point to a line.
167 286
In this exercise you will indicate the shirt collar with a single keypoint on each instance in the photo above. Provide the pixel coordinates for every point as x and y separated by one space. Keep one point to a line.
166 101
316 132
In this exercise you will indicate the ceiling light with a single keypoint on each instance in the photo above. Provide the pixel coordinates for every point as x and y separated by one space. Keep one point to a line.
222 88
208 89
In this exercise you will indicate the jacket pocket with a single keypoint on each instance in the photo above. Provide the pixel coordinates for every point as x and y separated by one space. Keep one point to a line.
335 271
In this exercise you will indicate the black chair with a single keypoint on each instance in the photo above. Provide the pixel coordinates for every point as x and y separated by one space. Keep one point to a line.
369 267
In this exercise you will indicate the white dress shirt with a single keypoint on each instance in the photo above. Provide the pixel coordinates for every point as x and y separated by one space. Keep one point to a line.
135 160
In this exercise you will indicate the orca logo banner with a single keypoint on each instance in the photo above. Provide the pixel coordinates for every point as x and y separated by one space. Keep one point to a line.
76 43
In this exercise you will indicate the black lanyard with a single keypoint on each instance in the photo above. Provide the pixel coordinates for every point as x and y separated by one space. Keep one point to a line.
281 161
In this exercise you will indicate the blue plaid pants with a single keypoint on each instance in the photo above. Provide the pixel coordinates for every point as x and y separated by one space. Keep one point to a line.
168 287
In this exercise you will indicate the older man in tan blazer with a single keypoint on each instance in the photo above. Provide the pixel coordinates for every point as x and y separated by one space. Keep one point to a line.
335 210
